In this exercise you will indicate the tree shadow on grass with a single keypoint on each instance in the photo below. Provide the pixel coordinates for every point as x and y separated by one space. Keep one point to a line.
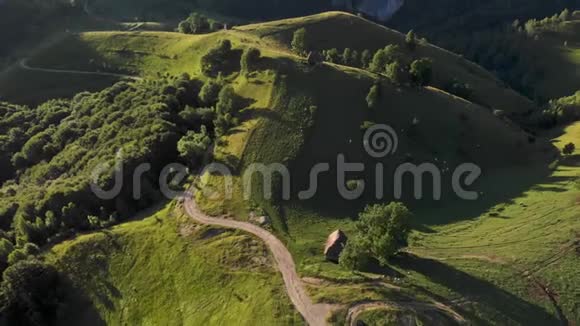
477 290
78 309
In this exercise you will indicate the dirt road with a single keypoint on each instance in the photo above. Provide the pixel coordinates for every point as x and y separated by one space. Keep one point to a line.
313 314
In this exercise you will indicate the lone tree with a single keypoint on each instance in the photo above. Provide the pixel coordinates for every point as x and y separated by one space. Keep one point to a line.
411 40
421 71
299 43
373 96
250 59
380 232
569 149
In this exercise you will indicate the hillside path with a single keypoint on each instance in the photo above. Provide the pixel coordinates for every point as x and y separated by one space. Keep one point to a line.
313 314
355 310
24 65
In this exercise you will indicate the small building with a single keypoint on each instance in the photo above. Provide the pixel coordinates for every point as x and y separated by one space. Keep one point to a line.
334 245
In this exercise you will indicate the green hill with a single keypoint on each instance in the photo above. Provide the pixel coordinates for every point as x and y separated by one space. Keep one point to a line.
149 53
447 66
299 115
538 57
166 270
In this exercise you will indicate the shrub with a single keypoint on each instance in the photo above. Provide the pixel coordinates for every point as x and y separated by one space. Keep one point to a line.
411 40
366 58
395 71
332 56
299 42
569 149
421 71
250 59
215 60
208 95
193 145
373 96
346 56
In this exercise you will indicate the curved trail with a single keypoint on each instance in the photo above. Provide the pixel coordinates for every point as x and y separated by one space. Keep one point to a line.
355 310
24 65
313 314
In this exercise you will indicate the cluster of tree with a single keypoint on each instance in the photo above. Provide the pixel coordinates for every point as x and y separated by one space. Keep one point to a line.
505 50
432 18
300 43
557 112
534 26
380 232
198 24
60 143
221 59
390 61
31 293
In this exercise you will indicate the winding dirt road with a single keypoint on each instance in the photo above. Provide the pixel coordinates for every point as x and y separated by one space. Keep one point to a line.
24 65
355 310
313 314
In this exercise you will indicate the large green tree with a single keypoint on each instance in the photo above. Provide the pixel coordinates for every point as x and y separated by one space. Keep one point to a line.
381 231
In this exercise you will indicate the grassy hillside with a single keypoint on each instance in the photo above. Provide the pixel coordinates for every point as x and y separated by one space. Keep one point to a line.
537 57
165 270
472 255
469 16
149 53
321 31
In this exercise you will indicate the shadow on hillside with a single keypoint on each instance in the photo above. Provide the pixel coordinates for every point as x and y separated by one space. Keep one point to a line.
78 308
500 187
477 290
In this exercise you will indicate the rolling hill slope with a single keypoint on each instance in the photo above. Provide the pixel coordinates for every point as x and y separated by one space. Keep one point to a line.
301 115
321 29
139 272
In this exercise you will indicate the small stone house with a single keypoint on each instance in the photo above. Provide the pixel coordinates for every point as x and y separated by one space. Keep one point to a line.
334 245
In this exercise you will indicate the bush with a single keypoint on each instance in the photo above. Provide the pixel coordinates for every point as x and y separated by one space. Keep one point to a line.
396 72
216 59
250 59
332 56
194 145
299 42
366 58
411 40
373 96
208 95
569 149
421 71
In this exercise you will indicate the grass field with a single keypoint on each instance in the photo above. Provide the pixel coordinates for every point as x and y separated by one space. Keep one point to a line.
165 270
495 260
